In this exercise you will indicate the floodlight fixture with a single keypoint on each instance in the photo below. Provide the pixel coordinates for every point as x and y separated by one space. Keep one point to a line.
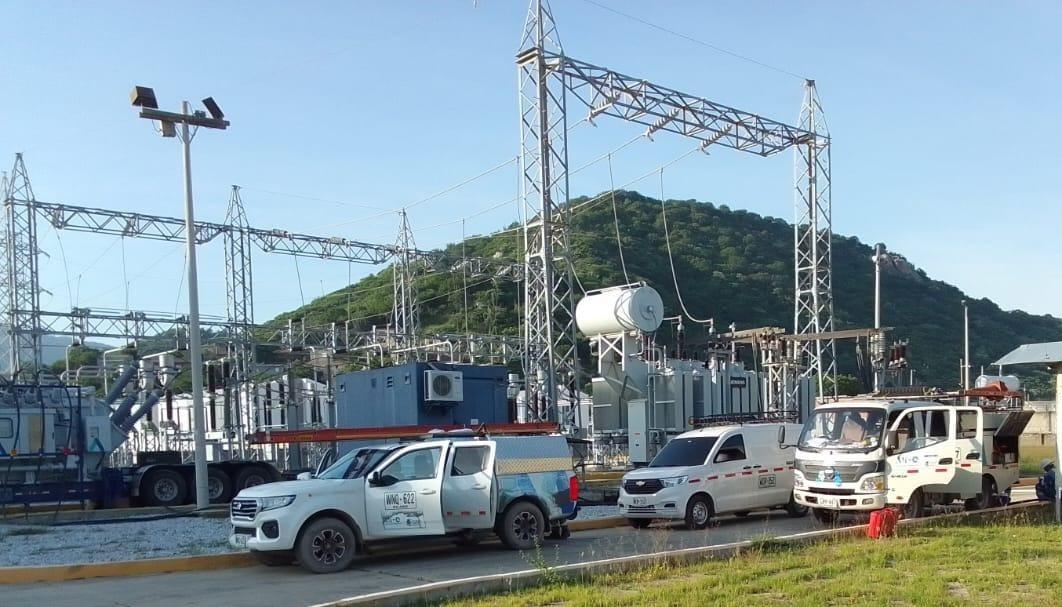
143 96
168 129
212 107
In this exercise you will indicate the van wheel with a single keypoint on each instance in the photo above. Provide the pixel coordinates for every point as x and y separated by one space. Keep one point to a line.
824 516
326 545
795 510
639 523
523 526
274 558
698 512
163 487
915 505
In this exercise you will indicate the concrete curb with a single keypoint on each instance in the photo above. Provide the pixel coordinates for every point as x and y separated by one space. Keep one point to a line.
505 582
66 573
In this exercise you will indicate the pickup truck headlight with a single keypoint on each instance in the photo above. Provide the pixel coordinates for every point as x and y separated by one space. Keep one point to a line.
674 481
798 479
875 484
272 503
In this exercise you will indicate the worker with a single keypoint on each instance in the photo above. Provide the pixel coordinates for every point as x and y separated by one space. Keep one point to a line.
1045 486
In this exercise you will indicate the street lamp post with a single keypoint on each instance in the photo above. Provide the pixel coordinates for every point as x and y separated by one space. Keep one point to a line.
144 98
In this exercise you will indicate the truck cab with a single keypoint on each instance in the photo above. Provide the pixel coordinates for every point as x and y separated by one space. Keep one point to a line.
866 454
422 490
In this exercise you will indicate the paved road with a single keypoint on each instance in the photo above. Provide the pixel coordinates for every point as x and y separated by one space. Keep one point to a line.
390 570
291 586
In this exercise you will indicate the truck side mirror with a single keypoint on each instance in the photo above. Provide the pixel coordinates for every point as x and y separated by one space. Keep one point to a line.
891 441
781 436
374 479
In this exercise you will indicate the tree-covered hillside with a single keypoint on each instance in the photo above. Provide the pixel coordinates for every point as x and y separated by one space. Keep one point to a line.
732 265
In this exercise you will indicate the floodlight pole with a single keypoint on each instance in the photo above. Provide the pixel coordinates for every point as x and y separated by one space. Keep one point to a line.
202 495
145 98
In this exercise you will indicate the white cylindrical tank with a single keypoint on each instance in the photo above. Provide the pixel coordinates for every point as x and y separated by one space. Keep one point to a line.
1011 382
620 310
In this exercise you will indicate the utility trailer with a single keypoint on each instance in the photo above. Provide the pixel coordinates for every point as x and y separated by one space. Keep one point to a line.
55 441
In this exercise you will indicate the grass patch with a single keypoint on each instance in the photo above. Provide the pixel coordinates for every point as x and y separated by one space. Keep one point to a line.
1005 563
1031 457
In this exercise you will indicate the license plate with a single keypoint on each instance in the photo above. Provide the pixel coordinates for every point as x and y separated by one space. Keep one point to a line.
640 501
828 502
404 500
238 540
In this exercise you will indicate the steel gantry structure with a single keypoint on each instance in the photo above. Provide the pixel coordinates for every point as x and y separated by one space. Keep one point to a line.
546 77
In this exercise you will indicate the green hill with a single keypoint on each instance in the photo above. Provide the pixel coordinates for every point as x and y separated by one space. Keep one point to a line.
733 266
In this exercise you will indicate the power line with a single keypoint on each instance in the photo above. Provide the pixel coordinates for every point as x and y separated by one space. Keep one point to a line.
317 199
695 40
615 219
671 258
462 183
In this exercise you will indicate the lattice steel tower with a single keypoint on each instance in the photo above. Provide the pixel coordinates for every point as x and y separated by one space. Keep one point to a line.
812 250
549 325
20 281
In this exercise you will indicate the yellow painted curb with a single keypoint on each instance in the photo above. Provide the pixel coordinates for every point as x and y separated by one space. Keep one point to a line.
597 523
66 573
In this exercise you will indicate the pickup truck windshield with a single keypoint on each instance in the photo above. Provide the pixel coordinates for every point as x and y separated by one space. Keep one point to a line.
843 430
355 464
684 452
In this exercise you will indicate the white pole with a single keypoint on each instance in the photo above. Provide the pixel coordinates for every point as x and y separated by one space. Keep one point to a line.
966 349
202 497
878 251
1058 442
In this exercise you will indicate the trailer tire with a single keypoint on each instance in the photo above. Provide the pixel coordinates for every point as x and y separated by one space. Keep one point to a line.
522 526
825 516
274 558
915 505
699 512
252 476
163 487
326 545
219 486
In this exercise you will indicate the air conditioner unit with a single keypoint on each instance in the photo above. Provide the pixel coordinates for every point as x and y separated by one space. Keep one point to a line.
446 386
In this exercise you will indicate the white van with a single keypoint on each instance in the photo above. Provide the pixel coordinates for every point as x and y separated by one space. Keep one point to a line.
711 471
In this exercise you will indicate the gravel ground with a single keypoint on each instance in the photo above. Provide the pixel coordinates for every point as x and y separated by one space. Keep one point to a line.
26 546
22 545
587 513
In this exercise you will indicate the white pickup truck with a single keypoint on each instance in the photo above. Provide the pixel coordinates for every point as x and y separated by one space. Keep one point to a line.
520 488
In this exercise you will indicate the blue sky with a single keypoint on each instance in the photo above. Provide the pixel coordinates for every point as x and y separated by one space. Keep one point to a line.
943 114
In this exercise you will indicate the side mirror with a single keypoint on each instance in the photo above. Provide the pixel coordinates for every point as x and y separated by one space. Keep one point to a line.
781 436
723 456
303 476
374 479
891 441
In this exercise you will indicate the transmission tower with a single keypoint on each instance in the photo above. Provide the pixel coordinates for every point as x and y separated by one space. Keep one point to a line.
549 326
20 282
812 233
406 311
239 308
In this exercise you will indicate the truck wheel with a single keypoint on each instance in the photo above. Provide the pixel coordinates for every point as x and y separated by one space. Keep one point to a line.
915 505
985 497
326 545
274 558
522 526
251 476
163 487
824 516
219 486
698 512
795 510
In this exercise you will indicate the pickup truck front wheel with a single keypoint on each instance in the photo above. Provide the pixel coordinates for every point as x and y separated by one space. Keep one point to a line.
326 545
522 526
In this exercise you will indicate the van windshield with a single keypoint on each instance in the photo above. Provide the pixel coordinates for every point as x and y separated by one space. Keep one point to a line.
356 463
843 430
684 452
